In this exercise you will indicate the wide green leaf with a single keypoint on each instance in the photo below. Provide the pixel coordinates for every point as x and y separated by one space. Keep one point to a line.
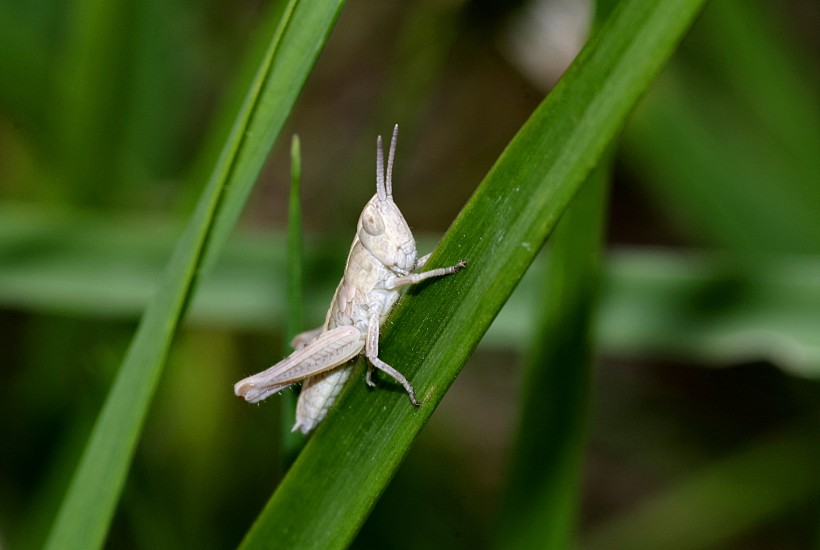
332 486
293 44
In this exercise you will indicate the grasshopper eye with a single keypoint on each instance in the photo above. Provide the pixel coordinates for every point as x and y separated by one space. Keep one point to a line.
372 222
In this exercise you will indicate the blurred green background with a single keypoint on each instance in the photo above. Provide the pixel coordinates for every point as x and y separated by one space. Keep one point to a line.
703 431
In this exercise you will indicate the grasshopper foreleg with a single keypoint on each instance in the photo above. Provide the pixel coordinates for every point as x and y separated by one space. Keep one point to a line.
415 278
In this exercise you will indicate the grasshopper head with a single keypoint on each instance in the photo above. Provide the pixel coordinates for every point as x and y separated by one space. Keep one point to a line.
382 229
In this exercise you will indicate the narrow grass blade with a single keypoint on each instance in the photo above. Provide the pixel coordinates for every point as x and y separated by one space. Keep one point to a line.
333 484
292 441
310 28
544 482
295 247
87 510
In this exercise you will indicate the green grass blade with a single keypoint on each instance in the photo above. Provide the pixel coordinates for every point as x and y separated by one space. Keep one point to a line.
334 483
544 482
292 441
295 247
283 81
728 141
717 173
542 497
87 510
753 50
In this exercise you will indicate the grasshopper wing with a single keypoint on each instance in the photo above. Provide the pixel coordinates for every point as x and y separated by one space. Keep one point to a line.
328 350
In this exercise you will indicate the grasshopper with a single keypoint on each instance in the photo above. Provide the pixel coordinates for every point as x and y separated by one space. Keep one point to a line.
381 261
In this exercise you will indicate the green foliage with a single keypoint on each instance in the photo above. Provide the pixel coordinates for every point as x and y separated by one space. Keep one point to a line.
430 336
88 507
545 474
292 442
113 116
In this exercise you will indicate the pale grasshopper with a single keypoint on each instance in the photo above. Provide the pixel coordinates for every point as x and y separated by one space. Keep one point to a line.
381 261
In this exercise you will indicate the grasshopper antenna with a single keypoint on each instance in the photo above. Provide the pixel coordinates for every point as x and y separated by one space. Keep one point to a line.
380 191
391 155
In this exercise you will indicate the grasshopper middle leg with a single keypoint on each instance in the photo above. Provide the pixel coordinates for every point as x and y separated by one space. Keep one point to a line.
372 354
